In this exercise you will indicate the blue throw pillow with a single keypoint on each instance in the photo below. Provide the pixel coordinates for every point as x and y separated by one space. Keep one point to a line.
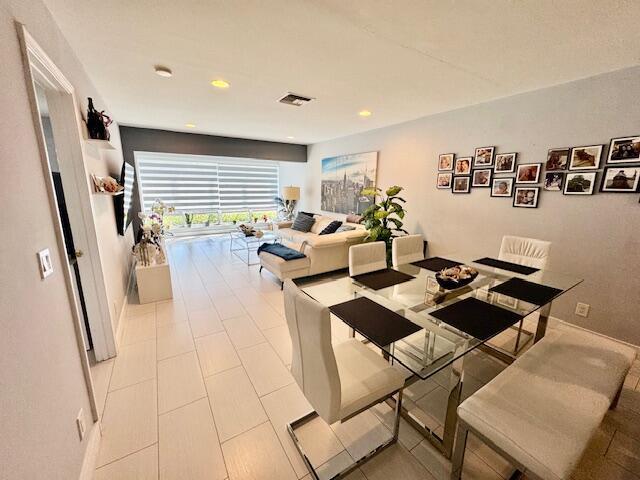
303 223
345 228
331 228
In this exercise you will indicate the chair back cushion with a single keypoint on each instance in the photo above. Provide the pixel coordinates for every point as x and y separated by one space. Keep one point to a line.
525 251
303 223
367 257
407 249
313 362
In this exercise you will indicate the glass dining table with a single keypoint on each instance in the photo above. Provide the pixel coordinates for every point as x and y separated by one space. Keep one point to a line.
437 342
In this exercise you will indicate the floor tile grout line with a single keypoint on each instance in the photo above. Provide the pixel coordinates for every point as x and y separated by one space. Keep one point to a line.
126 456
213 418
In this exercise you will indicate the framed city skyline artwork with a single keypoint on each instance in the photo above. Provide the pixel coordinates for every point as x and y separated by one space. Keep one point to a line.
342 180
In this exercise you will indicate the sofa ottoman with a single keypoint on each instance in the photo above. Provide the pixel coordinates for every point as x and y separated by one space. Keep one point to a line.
282 268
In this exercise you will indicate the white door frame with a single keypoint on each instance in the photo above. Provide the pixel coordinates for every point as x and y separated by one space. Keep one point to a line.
69 146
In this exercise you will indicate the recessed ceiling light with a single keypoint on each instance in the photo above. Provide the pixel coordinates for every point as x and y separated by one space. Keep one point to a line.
364 113
219 83
163 71
190 125
290 137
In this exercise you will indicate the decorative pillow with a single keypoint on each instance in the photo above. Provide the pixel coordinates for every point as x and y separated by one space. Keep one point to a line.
331 228
353 218
303 223
345 228
321 222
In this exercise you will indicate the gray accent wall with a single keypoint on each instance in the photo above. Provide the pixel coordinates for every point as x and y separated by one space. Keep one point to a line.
165 141
595 237
136 139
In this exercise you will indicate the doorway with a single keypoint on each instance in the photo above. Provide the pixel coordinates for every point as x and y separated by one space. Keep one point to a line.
72 253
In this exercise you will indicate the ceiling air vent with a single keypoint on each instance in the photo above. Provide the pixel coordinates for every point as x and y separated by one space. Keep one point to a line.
295 99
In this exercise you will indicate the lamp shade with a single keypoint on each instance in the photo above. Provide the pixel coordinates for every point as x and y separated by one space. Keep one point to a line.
291 193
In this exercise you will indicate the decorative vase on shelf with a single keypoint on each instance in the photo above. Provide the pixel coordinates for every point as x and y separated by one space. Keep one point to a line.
97 123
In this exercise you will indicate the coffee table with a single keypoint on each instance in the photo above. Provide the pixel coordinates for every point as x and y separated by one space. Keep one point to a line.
242 246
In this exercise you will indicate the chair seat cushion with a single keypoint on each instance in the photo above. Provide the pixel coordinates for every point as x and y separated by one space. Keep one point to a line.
364 376
543 409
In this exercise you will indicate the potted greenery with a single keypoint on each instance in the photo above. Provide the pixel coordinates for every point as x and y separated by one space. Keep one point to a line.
188 217
383 219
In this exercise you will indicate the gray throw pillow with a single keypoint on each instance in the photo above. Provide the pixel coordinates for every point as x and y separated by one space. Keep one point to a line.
303 223
345 228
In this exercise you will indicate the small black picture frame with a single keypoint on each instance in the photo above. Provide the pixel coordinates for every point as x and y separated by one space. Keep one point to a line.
626 180
441 184
579 183
461 184
522 197
505 162
481 177
497 184
483 157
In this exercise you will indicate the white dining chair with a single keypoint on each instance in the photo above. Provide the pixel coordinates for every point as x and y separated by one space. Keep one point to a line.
407 249
339 381
525 251
367 257
532 253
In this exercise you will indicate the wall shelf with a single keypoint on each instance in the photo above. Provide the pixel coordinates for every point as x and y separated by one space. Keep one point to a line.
103 144
111 194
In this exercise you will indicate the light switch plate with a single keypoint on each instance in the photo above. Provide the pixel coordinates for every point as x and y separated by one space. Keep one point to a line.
44 260
80 424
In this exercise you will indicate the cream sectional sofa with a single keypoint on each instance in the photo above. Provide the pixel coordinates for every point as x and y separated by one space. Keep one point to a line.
324 253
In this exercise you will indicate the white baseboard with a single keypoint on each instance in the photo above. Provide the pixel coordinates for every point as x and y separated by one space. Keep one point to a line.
123 310
554 319
91 453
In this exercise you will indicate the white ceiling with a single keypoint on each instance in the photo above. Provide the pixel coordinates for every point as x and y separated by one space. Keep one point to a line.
401 59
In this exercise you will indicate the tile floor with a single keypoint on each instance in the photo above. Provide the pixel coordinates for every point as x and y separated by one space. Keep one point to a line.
201 390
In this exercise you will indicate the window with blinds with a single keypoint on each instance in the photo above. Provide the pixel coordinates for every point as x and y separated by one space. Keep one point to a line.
204 184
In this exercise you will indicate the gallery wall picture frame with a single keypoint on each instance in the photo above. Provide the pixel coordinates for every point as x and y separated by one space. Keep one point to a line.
528 173
579 183
553 181
526 197
557 159
444 181
620 179
481 177
483 157
624 150
502 187
445 162
585 158
461 184
505 162
463 165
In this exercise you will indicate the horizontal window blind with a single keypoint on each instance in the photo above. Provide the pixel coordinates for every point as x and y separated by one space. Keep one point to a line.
202 184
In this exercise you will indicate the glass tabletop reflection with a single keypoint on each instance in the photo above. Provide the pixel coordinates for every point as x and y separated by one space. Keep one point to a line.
437 344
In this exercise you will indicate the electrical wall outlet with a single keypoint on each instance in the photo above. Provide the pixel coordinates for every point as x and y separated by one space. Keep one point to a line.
80 424
582 309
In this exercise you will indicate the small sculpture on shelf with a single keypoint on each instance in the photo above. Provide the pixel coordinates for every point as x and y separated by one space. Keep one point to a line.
97 123
106 184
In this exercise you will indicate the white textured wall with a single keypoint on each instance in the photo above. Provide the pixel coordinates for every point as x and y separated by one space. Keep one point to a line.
595 237
42 386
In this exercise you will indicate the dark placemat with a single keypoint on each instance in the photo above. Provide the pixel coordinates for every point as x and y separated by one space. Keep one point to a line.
373 321
382 278
527 291
477 318
435 264
512 267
